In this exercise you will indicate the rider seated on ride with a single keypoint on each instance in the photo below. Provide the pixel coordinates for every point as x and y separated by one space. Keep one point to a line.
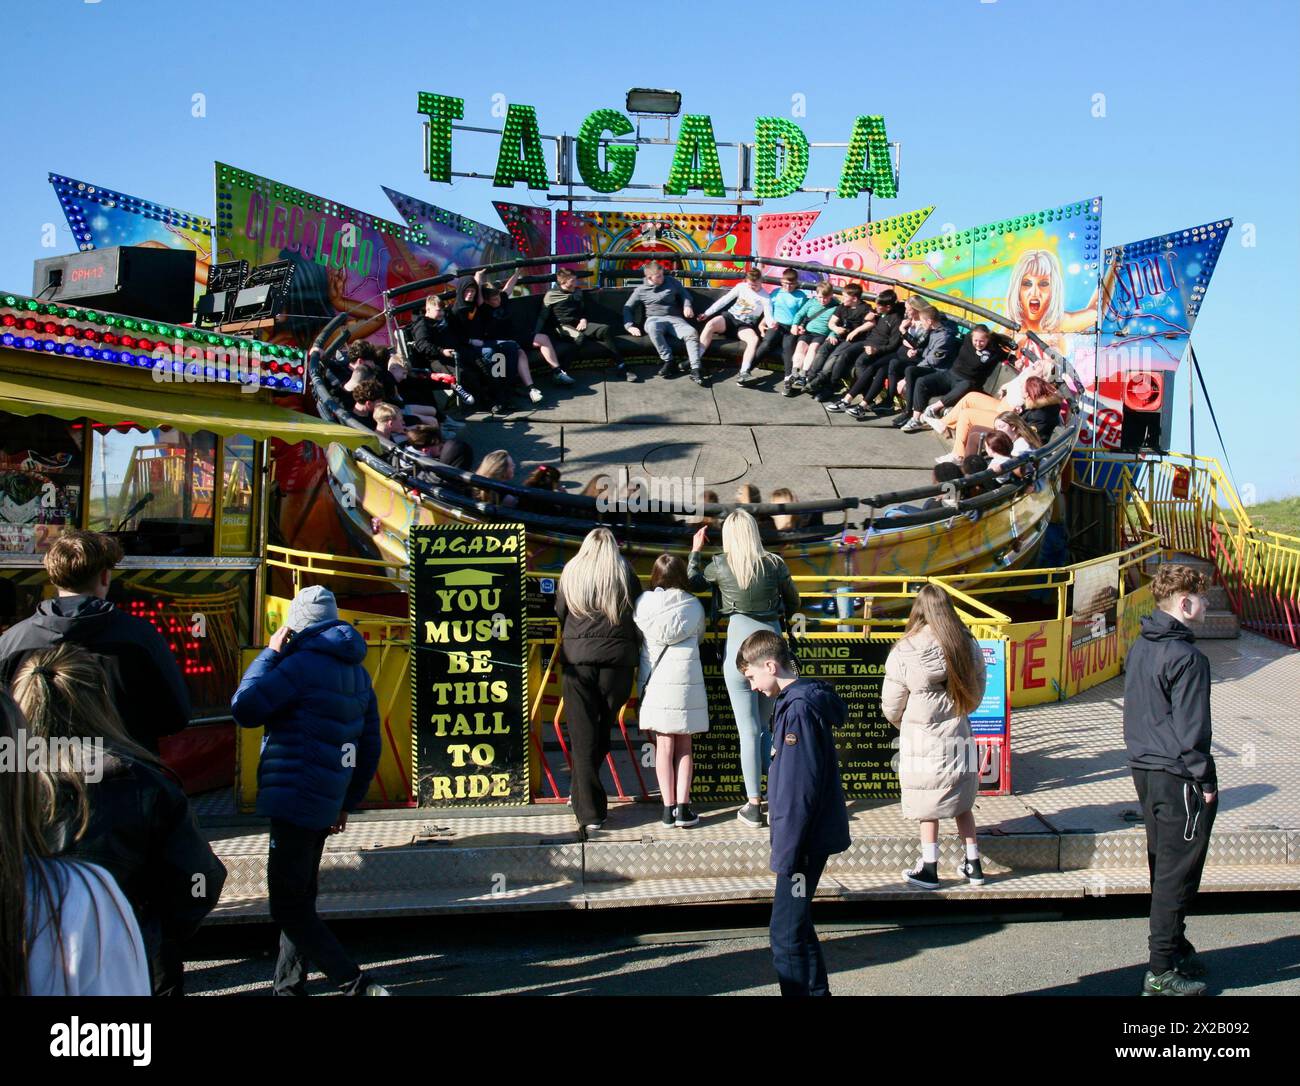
564 311
739 312
849 323
812 324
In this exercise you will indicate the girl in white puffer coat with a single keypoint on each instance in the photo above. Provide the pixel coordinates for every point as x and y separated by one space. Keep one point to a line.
673 703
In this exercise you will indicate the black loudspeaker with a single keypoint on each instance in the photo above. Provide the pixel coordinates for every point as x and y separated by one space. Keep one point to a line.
137 280
1144 397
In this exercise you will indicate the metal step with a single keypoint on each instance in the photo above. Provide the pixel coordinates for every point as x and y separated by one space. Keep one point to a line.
723 890
453 864
1219 625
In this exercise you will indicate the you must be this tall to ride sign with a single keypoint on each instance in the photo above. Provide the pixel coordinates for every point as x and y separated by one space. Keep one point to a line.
469 647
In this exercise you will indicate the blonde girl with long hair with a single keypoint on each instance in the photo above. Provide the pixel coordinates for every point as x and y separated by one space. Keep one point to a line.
934 678
754 590
599 654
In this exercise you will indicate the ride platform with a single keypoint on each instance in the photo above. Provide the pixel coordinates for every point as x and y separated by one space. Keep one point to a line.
1071 829
723 436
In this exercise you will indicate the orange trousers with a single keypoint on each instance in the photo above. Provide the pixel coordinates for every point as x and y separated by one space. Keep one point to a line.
974 415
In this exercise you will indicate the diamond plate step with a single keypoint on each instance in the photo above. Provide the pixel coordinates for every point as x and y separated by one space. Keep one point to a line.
723 890
1218 625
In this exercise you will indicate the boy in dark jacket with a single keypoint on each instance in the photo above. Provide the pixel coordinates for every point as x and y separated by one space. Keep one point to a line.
805 804
1167 734
564 311
144 679
310 692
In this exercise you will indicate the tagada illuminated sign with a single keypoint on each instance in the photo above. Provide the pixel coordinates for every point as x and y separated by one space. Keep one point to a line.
600 158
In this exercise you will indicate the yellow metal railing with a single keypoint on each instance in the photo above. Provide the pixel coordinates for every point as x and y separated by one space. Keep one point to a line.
1191 506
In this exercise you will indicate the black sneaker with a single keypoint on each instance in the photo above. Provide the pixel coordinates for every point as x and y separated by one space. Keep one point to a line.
1189 964
972 871
626 373
883 409
668 369
746 377
752 815
925 875
902 419
499 409
561 378
1171 983
686 817
698 378
857 411
669 818
836 406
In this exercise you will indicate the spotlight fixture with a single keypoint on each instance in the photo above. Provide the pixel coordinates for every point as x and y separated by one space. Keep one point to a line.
646 102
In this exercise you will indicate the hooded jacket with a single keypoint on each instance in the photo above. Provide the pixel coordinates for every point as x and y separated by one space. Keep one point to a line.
143 677
1043 415
142 831
315 701
936 770
940 346
673 700
1167 702
805 797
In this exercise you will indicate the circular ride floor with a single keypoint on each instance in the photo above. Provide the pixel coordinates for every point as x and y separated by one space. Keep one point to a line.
723 435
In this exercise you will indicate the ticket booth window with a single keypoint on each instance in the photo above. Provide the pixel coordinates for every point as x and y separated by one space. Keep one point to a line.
237 479
155 489
41 466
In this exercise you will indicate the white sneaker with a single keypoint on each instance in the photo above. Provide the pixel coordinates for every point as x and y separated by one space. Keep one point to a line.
948 458
376 990
535 394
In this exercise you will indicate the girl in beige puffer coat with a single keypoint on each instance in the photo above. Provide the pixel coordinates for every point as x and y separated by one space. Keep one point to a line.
934 677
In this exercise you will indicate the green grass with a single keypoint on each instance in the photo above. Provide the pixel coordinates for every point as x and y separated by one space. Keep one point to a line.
1279 516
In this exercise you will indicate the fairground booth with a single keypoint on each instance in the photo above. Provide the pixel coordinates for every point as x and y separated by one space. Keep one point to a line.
183 381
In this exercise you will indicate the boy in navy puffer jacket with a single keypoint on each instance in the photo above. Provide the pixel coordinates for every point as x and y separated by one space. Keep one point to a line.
310 692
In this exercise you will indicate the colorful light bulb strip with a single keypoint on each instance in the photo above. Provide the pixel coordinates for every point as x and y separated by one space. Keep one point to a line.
89 335
521 133
230 178
867 165
74 195
620 160
695 159
1089 211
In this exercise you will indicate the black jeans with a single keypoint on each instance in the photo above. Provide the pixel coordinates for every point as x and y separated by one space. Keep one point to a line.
924 387
291 880
1178 823
890 367
778 333
593 695
601 333
796 953
831 367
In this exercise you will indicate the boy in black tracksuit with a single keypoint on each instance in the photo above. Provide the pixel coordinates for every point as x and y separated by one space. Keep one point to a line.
805 804
1167 733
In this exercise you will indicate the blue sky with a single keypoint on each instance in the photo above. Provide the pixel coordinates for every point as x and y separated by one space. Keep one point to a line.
993 103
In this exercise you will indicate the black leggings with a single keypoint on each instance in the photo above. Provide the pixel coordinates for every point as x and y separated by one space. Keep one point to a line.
593 695
865 374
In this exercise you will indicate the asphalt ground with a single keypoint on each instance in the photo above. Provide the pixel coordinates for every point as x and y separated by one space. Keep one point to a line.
1250 942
